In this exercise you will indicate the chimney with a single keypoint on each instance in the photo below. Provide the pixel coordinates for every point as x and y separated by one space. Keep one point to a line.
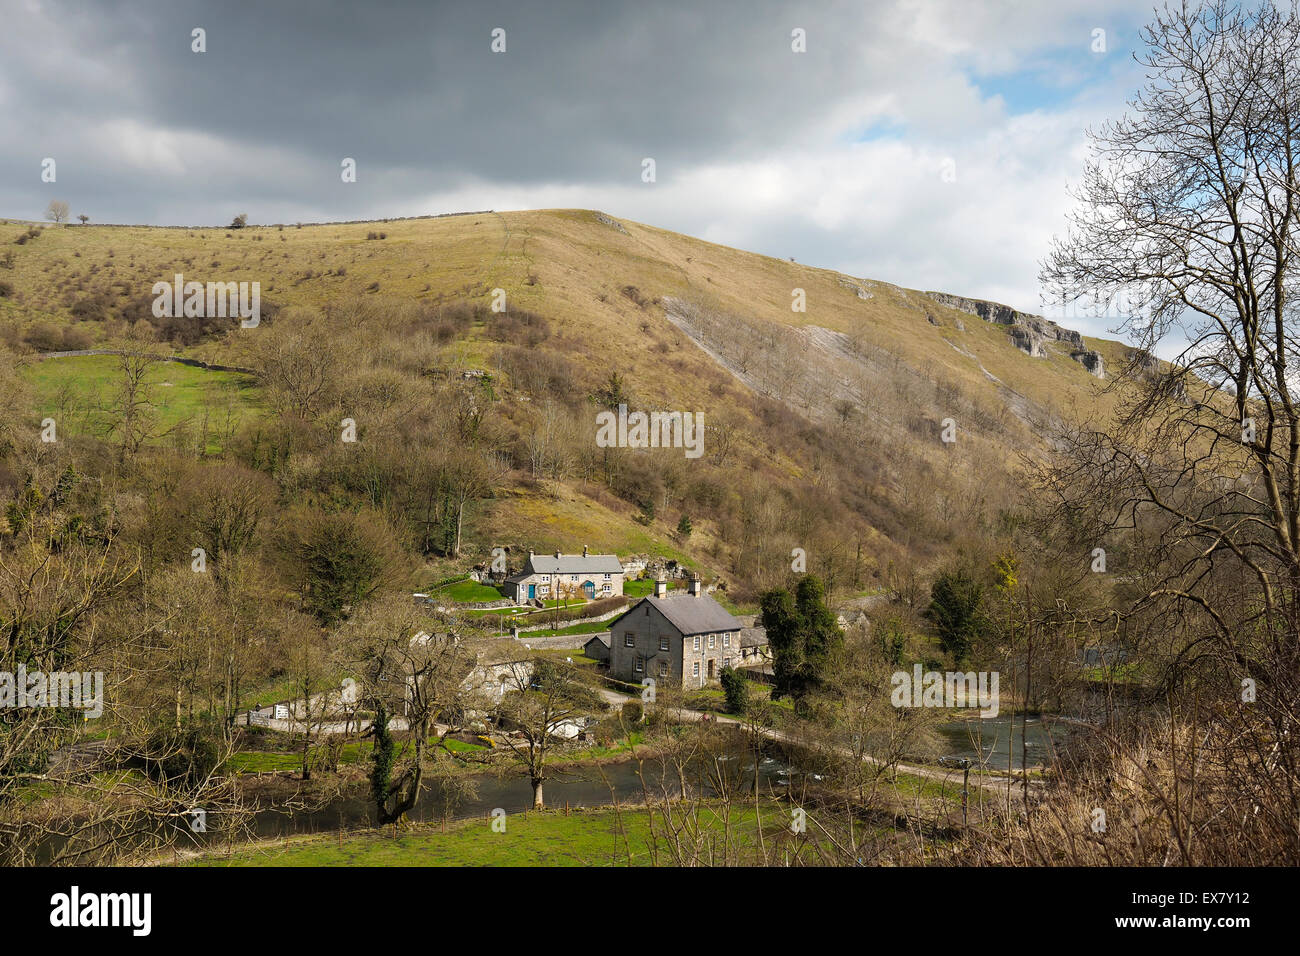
661 588
695 585
557 552
530 554
584 550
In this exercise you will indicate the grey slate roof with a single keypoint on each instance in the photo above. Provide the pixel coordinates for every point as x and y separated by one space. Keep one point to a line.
603 638
753 637
573 564
691 614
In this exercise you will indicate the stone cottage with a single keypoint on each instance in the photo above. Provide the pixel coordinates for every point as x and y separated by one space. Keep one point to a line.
551 577
685 639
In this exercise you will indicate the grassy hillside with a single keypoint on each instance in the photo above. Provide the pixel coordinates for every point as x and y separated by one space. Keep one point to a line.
825 425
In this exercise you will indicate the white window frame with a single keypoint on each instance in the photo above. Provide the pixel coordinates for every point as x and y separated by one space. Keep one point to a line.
697 642
711 642
695 669
629 639
639 667
726 640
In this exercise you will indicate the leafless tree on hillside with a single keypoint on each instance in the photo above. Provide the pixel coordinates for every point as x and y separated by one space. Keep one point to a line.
1189 208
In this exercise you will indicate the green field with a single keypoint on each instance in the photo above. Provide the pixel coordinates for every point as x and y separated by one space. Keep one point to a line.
467 592
643 587
79 393
549 838
588 627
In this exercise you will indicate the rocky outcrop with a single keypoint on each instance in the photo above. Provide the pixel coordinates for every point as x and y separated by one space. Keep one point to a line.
611 222
1091 361
857 290
1143 361
1029 333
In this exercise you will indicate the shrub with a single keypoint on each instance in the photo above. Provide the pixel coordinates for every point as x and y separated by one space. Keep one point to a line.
44 337
180 758
633 293
633 713
77 339
737 690
520 327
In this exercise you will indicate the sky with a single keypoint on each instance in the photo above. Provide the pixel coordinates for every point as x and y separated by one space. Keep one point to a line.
928 143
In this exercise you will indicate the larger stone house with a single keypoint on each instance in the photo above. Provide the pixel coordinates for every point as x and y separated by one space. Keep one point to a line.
684 639
551 577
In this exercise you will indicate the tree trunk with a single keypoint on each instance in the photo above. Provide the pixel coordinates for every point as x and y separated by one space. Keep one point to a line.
538 803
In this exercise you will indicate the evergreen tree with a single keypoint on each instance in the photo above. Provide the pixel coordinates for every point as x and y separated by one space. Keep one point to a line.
803 634
957 610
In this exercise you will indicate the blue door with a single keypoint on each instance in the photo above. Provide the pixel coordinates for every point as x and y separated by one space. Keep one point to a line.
590 588
532 591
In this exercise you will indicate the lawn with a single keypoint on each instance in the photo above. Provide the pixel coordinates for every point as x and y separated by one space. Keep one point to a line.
504 616
548 838
79 392
643 587
587 627
467 592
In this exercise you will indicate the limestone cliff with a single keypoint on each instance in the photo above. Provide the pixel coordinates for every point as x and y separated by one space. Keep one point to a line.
1029 333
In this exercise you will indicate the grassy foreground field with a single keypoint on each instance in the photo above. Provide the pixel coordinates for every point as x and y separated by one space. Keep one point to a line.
604 837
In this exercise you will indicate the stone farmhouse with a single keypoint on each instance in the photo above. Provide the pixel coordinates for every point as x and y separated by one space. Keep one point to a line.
551 577
685 639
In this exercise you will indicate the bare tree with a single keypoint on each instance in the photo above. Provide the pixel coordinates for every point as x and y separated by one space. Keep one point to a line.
57 211
412 668
541 702
137 416
1188 219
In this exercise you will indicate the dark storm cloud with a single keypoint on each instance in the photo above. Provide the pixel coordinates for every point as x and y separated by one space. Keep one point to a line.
412 91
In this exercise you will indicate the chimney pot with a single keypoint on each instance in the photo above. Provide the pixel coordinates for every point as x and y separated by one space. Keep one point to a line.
557 552
695 585
584 550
